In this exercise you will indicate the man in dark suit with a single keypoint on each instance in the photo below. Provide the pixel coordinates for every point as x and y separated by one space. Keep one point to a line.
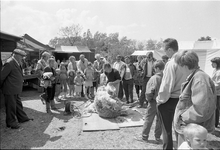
11 85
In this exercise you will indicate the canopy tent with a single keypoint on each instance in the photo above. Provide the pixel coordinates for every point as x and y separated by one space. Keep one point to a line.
72 49
141 52
206 50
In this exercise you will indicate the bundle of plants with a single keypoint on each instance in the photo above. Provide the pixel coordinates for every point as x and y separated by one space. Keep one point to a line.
106 103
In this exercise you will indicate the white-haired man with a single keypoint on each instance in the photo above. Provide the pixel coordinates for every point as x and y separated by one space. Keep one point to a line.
81 66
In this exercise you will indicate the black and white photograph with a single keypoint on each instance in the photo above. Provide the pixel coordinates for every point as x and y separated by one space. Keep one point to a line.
107 74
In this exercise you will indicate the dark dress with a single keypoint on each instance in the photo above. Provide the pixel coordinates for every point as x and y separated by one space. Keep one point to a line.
50 90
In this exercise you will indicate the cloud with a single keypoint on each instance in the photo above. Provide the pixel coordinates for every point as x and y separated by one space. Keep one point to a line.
67 17
20 19
125 30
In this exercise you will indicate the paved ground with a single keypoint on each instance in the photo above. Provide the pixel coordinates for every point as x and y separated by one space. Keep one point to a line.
65 132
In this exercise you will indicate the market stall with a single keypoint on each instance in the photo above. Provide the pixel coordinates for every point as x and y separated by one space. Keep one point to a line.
63 52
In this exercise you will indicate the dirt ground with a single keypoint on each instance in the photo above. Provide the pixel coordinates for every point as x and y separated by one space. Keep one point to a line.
59 131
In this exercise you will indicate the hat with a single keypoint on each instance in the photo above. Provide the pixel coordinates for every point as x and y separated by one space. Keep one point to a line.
44 54
149 54
19 52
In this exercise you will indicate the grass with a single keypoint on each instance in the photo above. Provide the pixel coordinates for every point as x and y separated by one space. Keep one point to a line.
57 131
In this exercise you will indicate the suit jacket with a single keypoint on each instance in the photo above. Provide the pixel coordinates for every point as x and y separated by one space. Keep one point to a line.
11 78
144 66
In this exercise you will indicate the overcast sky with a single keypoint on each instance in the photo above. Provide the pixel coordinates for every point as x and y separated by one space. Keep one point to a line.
140 20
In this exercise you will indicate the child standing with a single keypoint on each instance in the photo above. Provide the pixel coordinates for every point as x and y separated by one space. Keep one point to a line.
195 137
63 78
89 76
78 81
71 77
152 89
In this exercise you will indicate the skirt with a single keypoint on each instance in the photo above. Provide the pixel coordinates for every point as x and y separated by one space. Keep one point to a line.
78 88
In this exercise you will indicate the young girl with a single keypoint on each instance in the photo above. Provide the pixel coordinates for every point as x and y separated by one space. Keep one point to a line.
63 78
71 77
78 81
195 137
89 76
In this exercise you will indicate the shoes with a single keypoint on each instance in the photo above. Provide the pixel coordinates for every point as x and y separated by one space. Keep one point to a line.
13 126
141 138
140 106
48 111
53 108
26 120
158 140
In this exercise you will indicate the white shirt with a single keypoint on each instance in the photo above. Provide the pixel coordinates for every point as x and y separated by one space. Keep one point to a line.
173 77
117 65
149 68
127 75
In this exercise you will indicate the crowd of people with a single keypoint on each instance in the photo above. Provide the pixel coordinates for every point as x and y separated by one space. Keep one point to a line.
175 90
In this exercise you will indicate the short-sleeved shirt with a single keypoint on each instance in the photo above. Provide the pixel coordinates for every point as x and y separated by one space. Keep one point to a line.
113 75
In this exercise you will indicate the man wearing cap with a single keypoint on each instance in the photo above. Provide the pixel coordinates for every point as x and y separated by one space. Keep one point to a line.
11 85
147 65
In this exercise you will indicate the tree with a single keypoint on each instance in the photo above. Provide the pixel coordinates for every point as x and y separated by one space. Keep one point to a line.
72 33
207 38
140 45
153 44
88 40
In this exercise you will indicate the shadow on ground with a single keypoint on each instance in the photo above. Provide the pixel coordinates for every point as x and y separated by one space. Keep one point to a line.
40 131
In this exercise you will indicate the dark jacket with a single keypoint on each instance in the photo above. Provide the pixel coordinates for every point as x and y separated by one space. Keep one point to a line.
144 65
197 102
11 78
153 86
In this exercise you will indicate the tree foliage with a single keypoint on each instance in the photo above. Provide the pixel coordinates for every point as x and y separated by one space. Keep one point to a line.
71 33
109 45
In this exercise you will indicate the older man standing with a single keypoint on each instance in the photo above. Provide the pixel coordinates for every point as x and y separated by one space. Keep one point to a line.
81 66
147 65
169 92
82 63
98 66
11 85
